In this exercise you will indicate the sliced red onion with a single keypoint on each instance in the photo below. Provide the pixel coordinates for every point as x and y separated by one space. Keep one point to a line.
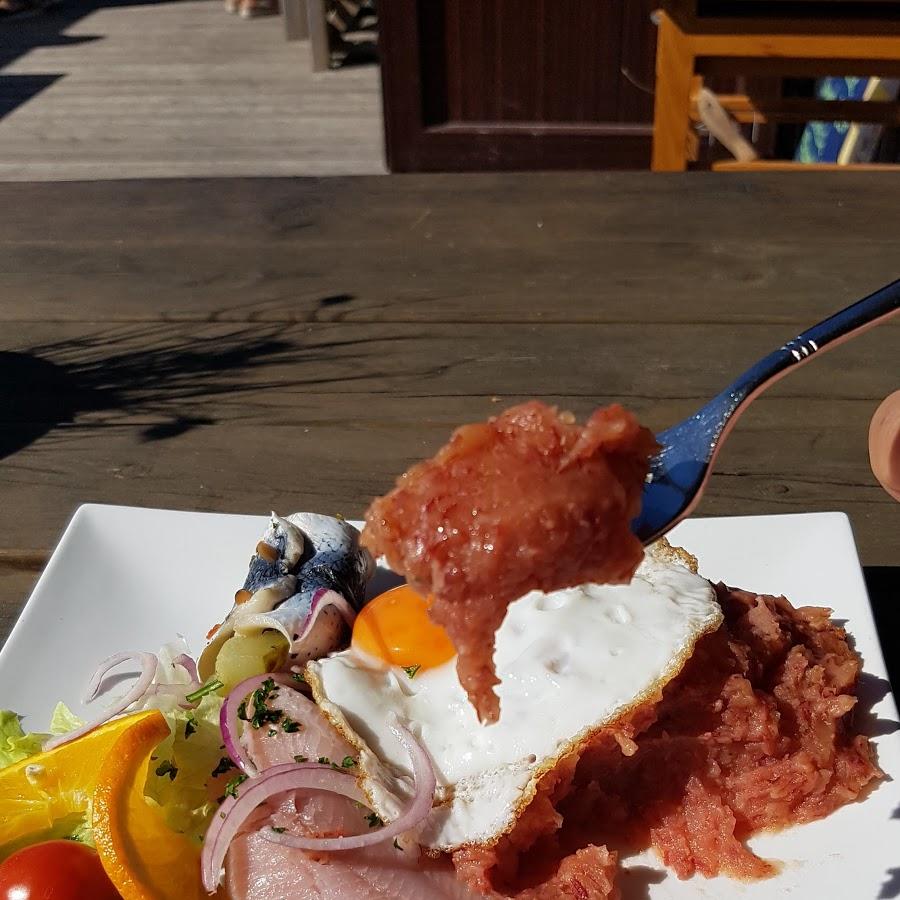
423 797
235 811
179 688
187 663
148 663
321 599
230 724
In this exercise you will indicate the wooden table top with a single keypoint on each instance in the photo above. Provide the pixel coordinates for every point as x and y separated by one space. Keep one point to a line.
242 345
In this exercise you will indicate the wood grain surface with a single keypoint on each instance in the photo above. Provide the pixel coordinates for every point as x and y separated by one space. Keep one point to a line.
243 345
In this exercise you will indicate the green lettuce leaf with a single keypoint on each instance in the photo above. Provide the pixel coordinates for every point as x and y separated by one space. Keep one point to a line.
180 777
81 830
64 720
16 744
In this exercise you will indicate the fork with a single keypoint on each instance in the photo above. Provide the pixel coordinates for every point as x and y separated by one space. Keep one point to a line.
680 470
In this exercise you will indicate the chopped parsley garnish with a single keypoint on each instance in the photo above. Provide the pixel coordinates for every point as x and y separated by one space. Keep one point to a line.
411 670
348 762
222 766
167 768
289 725
278 830
208 688
265 717
262 715
242 711
325 761
234 784
190 726
300 758
298 676
271 732
374 820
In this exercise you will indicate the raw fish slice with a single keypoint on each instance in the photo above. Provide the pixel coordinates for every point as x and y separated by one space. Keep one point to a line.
257 869
315 738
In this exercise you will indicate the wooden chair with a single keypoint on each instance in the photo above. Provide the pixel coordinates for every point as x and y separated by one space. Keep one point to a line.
328 27
690 46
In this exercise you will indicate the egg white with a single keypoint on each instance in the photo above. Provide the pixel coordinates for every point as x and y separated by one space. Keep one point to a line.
570 663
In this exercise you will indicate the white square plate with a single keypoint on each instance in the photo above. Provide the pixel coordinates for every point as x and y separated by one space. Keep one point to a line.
127 578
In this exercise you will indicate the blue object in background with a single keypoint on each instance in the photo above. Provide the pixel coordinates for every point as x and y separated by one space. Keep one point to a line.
822 141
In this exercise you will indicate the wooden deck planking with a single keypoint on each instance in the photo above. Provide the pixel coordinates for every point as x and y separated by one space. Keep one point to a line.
181 89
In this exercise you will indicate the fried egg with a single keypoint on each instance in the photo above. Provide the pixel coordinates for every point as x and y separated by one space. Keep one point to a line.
570 663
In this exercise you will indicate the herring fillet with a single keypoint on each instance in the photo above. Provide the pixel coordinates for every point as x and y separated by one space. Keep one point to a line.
303 554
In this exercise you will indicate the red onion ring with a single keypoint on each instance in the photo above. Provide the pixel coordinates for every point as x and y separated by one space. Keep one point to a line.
148 663
423 797
229 722
322 598
187 663
235 811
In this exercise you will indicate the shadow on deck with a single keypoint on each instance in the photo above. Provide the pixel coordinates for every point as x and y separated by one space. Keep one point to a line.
19 34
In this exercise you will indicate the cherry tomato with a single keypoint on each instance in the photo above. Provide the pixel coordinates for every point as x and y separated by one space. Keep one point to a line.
55 870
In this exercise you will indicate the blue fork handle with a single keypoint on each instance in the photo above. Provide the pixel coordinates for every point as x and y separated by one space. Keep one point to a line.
681 468
849 322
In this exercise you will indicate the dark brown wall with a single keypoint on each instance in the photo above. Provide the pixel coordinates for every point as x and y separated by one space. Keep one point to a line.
517 84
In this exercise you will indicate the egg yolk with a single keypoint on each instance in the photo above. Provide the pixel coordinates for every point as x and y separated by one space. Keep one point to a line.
395 628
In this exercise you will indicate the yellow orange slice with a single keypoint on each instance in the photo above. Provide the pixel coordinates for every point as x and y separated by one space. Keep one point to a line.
143 857
43 791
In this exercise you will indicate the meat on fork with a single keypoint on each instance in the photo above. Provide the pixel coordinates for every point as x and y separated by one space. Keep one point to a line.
527 500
